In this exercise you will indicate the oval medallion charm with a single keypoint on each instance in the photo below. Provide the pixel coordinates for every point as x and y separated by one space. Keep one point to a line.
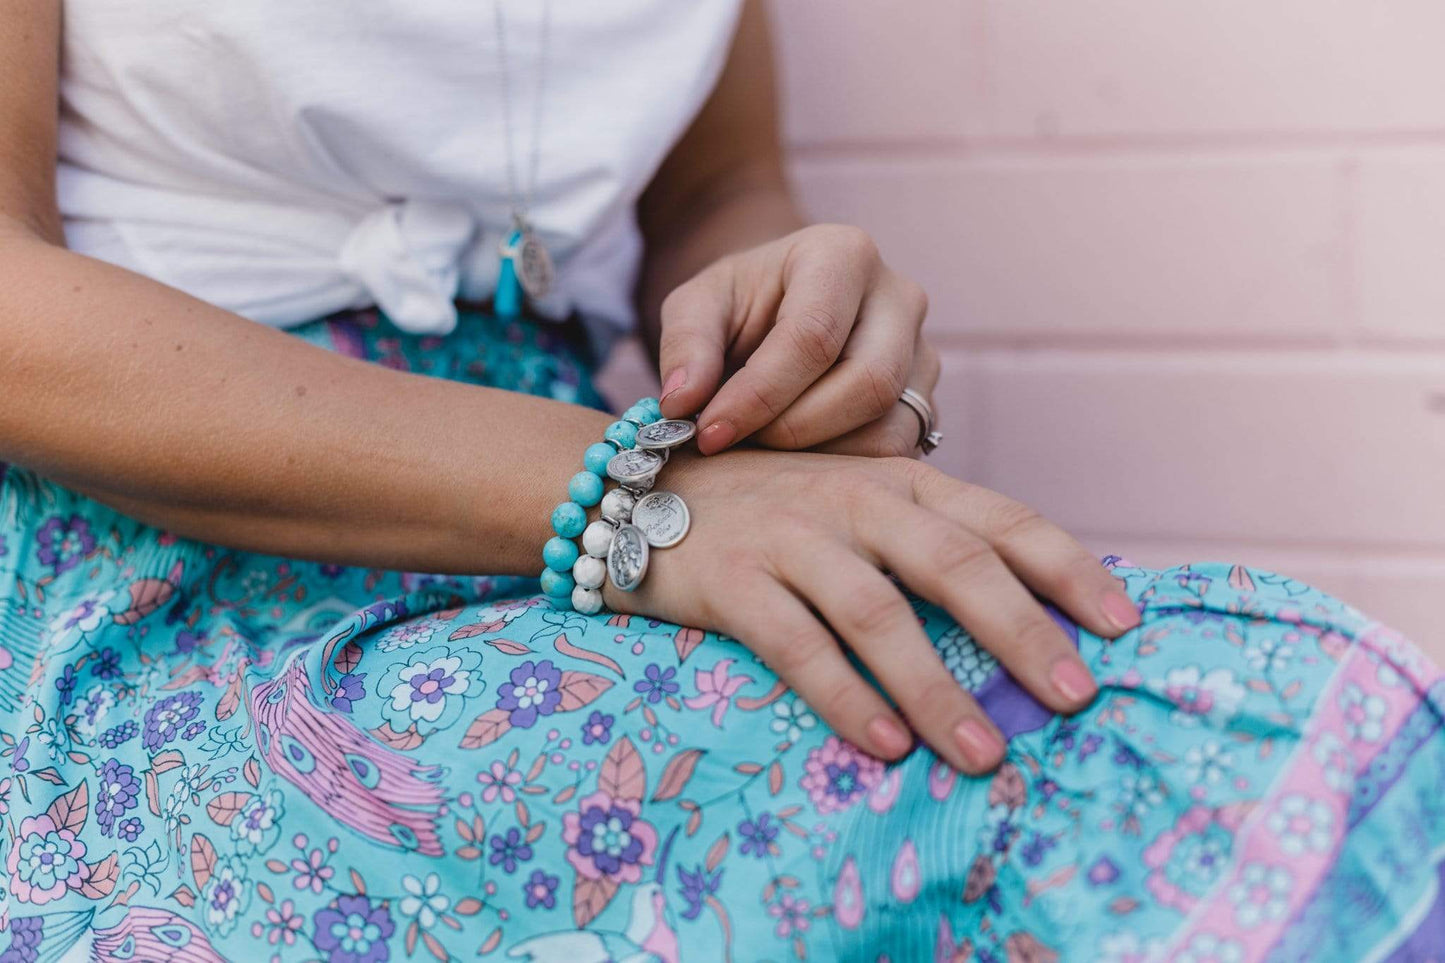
665 434
663 518
534 266
634 466
627 558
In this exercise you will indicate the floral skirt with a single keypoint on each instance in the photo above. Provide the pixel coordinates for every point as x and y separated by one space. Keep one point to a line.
217 755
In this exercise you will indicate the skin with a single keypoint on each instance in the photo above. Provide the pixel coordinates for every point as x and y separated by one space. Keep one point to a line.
202 423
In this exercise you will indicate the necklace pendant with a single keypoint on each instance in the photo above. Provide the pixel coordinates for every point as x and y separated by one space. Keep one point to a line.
534 264
507 300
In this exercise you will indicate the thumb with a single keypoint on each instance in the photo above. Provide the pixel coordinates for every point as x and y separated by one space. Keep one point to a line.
695 321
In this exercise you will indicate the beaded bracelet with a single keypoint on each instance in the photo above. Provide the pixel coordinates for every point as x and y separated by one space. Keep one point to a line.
635 448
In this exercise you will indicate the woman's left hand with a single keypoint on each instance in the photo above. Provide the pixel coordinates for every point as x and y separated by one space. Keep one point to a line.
820 337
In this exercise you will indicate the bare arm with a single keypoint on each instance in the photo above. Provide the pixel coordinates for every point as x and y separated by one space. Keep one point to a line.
722 188
214 427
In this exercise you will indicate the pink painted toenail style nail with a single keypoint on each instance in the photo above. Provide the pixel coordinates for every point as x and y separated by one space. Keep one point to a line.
1120 610
1073 680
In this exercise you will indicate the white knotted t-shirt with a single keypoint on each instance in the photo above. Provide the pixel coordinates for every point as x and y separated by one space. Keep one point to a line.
286 160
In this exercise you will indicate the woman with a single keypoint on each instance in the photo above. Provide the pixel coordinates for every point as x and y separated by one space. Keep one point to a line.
235 727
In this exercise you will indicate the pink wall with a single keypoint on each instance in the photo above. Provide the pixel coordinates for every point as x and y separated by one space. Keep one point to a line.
1187 262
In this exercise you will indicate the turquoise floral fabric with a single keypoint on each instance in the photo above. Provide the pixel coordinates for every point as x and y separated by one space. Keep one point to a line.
217 755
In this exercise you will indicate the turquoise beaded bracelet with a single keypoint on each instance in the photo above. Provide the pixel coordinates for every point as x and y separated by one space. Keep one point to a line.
569 519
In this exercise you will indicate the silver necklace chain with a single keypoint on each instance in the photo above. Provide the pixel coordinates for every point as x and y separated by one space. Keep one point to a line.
521 204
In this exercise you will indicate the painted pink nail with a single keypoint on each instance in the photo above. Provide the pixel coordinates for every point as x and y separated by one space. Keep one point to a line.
675 380
1073 680
981 747
1120 610
888 737
716 437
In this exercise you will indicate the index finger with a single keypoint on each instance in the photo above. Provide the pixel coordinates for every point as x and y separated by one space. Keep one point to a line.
815 316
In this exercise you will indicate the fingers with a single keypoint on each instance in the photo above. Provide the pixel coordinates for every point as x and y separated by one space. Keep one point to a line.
954 568
822 292
897 432
1045 557
774 624
880 627
874 368
693 344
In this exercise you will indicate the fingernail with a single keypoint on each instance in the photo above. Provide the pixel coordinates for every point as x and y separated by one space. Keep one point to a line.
675 380
979 744
716 437
888 737
1073 680
1120 610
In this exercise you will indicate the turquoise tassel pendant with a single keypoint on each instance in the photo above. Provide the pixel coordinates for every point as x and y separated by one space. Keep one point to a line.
507 302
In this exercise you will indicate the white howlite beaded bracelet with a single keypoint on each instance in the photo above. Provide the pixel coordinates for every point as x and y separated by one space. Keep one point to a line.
634 519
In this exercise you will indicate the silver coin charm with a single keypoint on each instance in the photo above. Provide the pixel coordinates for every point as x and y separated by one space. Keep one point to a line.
663 518
627 558
533 265
668 433
634 466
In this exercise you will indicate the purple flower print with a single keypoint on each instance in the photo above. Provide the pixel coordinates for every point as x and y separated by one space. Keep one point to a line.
353 930
533 690
607 840
63 542
107 664
509 850
1036 848
349 691
117 792
187 642
431 687
129 829
66 684
116 735
193 730
697 886
757 835
540 890
1103 872
166 718
837 774
597 730
18 762
658 684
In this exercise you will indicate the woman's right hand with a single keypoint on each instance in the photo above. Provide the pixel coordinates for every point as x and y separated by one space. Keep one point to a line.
785 546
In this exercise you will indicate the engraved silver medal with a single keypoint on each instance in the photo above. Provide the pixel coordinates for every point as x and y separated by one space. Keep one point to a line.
663 518
533 265
627 558
634 467
665 434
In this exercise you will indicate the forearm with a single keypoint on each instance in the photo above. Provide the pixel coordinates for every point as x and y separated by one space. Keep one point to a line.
216 428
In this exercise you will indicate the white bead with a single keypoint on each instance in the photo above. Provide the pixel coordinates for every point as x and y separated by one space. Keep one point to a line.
617 504
589 572
588 601
597 539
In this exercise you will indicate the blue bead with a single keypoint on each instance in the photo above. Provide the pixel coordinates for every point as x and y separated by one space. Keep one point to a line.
557 584
622 432
585 489
652 406
597 456
638 415
559 553
568 519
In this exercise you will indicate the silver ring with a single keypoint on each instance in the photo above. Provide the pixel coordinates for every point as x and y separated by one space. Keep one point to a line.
929 437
